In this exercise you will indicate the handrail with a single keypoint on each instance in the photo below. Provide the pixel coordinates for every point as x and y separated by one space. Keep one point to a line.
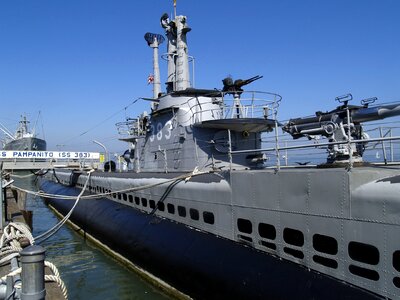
251 107
316 145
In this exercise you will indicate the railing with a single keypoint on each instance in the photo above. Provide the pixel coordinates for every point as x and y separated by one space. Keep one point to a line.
131 128
252 104
385 143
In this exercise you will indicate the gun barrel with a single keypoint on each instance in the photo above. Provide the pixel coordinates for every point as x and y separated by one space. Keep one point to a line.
375 113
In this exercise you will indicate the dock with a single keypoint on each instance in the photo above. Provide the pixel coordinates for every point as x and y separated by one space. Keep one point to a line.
15 212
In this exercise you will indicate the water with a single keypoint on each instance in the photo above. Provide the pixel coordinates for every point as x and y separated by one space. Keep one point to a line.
88 272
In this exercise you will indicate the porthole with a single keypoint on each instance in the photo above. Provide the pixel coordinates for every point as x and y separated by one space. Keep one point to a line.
119 196
194 214
325 244
161 206
125 197
396 282
267 231
144 202
208 217
364 253
396 260
293 237
137 200
244 226
152 204
171 208
181 211
130 197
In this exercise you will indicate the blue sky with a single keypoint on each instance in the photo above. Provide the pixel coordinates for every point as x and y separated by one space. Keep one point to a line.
81 62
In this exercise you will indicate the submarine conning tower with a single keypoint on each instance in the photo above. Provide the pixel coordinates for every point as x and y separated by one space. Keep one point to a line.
190 127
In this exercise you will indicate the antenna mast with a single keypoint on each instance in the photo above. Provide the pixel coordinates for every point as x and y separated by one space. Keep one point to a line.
174 8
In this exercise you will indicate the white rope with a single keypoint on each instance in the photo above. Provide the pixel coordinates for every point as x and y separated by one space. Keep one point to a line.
56 278
13 232
10 241
13 273
25 176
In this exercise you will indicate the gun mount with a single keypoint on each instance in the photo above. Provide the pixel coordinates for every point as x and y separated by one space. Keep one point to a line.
342 124
235 87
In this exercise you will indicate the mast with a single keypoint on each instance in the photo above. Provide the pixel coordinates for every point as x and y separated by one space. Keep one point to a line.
178 61
154 40
182 61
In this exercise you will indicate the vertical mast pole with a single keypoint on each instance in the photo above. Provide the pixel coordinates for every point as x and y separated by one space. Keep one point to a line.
174 8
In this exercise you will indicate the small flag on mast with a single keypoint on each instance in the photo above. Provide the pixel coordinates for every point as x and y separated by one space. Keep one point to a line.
150 79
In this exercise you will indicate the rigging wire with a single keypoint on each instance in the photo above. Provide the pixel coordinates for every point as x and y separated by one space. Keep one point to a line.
102 122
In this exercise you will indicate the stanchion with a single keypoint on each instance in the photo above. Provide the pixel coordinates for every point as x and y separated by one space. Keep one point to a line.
32 276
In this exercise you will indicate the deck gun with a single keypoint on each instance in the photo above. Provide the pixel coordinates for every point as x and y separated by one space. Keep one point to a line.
235 88
342 124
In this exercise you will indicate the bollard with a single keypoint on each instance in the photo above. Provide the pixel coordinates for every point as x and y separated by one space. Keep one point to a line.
32 276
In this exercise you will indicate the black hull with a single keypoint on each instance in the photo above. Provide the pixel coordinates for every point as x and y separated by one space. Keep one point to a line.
197 263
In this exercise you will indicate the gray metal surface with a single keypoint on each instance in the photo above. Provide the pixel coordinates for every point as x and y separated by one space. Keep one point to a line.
32 276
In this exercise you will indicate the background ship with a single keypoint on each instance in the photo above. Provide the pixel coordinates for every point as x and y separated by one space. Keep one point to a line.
207 209
23 139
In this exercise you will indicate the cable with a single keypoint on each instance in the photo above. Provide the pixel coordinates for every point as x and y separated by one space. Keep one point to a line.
103 121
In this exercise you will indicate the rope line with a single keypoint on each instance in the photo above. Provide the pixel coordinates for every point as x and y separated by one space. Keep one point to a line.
186 177
44 236
56 278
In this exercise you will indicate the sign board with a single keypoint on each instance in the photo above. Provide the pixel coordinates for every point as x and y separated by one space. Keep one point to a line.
49 155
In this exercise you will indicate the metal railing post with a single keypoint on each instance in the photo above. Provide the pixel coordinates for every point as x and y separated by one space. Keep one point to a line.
349 139
278 158
383 146
32 275
230 149
391 147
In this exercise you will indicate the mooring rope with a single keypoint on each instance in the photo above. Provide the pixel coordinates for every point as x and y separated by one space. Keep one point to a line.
10 247
56 278
44 236
184 177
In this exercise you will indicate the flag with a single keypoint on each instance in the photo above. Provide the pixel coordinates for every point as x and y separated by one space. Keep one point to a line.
150 79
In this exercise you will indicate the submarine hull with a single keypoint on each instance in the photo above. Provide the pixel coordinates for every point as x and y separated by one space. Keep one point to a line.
197 263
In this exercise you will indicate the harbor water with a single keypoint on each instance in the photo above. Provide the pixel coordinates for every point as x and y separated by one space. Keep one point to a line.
88 272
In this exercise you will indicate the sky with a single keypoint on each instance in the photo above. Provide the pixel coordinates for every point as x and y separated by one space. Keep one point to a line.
82 63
